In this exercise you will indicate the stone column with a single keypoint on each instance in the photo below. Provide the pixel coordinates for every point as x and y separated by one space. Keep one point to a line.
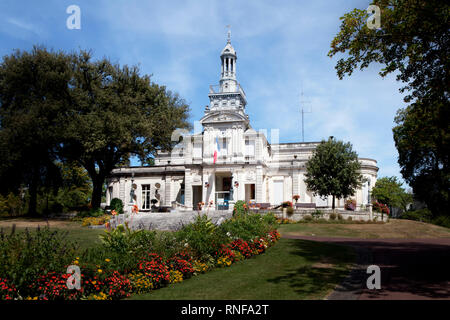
259 184
295 181
168 191
108 197
188 188
122 191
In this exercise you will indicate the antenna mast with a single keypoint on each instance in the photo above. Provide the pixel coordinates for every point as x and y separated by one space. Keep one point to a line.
302 103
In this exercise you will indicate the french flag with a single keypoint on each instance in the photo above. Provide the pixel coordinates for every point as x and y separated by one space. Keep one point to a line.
216 150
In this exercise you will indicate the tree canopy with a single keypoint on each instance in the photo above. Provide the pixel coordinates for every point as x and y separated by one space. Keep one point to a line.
389 191
413 43
57 106
333 170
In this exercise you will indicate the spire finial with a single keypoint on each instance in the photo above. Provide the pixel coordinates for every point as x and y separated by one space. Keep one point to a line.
228 33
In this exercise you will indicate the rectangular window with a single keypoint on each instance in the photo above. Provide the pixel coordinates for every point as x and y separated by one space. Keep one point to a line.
223 147
146 197
249 148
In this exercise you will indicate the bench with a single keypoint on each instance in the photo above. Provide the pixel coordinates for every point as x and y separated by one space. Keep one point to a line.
259 205
263 205
305 205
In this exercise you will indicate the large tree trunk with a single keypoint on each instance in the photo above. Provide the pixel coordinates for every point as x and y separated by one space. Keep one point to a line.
97 183
33 194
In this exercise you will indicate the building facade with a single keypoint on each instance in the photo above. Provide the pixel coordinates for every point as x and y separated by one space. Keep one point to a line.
225 162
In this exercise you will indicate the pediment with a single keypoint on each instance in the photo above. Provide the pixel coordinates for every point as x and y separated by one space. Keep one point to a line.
223 116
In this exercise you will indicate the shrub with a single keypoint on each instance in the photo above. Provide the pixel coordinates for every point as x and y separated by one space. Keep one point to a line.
91 213
317 214
270 219
443 221
290 211
249 226
12 205
240 209
116 204
349 218
201 236
123 240
307 217
333 216
166 244
118 240
340 217
124 262
423 215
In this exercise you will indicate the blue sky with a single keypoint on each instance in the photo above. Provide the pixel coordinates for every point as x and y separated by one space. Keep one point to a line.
281 46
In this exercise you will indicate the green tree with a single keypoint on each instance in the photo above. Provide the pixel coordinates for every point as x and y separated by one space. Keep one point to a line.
333 170
33 88
389 191
422 139
57 107
413 42
114 113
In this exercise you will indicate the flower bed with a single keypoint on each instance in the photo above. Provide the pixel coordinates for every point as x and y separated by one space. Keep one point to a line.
132 261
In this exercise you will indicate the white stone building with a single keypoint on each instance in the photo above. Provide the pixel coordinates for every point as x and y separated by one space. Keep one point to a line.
247 166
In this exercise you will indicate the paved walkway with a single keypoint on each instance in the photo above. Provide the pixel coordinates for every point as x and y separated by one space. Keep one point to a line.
410 268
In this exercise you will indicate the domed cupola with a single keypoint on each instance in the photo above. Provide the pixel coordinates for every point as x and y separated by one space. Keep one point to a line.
228 58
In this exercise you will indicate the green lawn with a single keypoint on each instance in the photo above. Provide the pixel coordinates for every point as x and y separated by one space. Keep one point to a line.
292 269
395 228
84 236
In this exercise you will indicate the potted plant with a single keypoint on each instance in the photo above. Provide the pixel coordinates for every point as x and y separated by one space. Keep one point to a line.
296 197
154 202
350 204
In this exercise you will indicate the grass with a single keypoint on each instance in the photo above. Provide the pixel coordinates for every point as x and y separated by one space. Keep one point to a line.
292 269
395 228
84 236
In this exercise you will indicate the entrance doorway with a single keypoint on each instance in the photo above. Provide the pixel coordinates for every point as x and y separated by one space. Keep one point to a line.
223 190
196 196
250 193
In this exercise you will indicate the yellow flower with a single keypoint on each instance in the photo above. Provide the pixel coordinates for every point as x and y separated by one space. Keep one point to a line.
107 260
99 270
94 282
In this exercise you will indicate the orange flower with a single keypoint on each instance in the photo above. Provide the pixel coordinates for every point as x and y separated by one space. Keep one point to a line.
114 212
